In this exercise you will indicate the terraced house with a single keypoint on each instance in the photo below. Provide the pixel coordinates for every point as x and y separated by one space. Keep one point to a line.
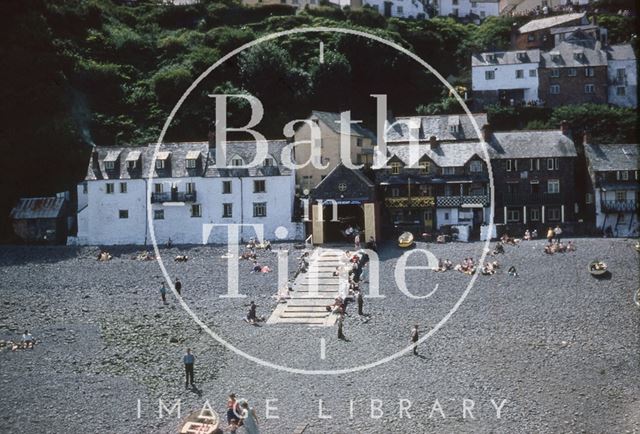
436 175
188 191
615 195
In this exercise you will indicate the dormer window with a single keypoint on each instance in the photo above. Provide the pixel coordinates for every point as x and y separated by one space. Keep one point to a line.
159 164
490 57
132 159
454 128
578 55
236 162
110 160
395 168
268 162
109 165
425 167
161 159
131 164
522 56
555 56
192 159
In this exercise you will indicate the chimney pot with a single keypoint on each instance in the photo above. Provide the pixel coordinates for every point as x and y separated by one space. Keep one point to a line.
486 132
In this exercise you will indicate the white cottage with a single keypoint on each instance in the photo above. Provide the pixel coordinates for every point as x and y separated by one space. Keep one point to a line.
189 194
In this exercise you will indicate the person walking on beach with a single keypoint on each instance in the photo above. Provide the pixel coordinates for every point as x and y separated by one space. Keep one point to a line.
558 233
550 234
360 301
340 326
414 338
249 419
163 293
188 360
178 286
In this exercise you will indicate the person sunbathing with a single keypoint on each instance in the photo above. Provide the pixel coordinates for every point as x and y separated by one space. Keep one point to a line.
440 239
256 267
27 340
534 234
498 249
527 235
571 247
265 269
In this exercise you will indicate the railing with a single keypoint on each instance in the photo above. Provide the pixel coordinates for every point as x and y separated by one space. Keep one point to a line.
176 196
532 198
619 205
456 201
410 202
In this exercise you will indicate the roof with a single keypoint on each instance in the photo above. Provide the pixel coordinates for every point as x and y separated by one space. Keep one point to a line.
443 155
604 158
620 52
180 152
545 23
38 208
571 29
506 58
531 144
564 55
403 129
358 186
332 120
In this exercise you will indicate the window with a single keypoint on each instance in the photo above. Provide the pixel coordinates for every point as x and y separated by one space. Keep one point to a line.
359 142
554 214
159 164
621 91
556 163
395 168
268 162
157 188
572 72
549 163
342 186
589 198
191 163
448 170
513 215
196 210
475 166
400 10
132 164
454 128
621 74
85 188
123 213
259 209
531 37
482 14
535 214
109 188
489 75
621 196
236 162
622 175
227 210
259 186
554 89
395 192
533 73
589 88
123 187
589 72
109 165
553 186
555 72
158 214
508 165
226 187
474 4
519 73
425 167
534 164
191 187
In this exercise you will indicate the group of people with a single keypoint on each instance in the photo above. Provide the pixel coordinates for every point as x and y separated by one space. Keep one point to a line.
468 266
27 342
240 415
559 247
530 235
251 255
163 289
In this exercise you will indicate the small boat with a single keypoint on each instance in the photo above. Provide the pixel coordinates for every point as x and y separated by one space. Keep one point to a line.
597 268
200 422
405 240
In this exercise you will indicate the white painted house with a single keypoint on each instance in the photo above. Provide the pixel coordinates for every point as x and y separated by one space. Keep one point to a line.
509 76
189 192
622 71
467 8
389 8
614 176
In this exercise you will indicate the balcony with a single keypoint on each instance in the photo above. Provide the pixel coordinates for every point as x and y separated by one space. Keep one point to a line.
619 206
410 202
520 199
458 201
175 196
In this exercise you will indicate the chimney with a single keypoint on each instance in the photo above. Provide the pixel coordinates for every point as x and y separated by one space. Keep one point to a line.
564 128
433 142
95 158
586 138
486 132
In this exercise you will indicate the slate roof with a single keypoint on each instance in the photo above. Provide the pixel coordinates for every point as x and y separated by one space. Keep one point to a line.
176 161
605 158
505 58
531 144
423 127
620 52
571 29
591 55
545 23
443 155
38 208
332 121
359 187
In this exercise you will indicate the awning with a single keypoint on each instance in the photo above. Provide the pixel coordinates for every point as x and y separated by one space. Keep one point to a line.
193 155
112 156
163 155
133 156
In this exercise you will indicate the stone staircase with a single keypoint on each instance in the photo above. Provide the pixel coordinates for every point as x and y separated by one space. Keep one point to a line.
312 292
